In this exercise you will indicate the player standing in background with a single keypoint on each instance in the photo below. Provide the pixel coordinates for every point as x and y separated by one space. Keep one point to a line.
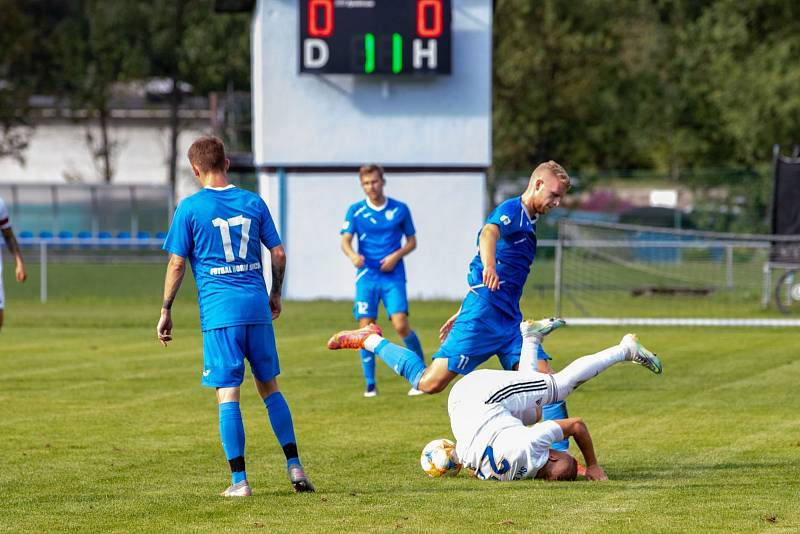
488 321
220 230
380 224
13 246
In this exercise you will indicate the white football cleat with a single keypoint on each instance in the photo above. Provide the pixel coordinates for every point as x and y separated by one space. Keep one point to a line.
414 392
240 489
540 328
638 354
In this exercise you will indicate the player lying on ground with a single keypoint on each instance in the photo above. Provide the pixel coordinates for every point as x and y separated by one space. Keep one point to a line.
489 410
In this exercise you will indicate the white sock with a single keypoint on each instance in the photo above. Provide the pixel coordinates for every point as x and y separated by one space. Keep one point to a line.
527 356
586 368
372 341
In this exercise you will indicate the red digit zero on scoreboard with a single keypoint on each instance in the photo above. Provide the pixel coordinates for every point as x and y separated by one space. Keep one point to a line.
390 37
429 18
320 18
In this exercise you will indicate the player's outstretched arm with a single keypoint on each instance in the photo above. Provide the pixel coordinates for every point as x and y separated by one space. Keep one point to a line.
278 258
576 428
487 244
13 247
176 269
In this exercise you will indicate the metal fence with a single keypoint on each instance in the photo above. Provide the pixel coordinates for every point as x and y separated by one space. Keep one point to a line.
644 275
87 210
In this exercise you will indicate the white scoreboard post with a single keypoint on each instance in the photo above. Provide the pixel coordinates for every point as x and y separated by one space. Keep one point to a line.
405 84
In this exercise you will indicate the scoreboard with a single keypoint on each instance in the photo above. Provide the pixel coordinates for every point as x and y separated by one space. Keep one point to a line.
368 37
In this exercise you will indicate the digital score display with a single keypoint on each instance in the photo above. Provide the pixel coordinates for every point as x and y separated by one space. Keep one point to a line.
375 36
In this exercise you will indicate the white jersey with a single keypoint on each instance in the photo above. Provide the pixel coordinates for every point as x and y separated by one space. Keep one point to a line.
489 411
4 223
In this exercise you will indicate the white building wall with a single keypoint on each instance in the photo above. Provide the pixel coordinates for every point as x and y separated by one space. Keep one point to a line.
447 210
58 153
344 121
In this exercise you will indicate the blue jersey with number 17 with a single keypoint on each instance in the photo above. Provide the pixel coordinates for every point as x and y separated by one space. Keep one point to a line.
220 231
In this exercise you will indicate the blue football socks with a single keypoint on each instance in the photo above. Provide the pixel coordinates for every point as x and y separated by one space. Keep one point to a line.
557 410
413 344
404 362
231 431
368 367
281 420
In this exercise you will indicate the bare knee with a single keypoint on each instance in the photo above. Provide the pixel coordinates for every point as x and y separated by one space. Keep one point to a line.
401 326
436 377
227 395
265 389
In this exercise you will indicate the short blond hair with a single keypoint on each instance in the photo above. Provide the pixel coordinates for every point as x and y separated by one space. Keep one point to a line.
554 168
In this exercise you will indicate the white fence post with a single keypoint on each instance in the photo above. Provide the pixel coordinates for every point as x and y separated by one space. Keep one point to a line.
559 268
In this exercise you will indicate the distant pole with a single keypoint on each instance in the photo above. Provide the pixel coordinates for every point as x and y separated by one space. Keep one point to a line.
43 270
559 268
175 97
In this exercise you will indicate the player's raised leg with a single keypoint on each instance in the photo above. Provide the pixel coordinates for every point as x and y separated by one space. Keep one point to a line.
587 367
534 358
404 362
532 334
410 340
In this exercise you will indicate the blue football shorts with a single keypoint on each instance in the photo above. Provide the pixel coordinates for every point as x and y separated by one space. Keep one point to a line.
372 289
481 331
225 350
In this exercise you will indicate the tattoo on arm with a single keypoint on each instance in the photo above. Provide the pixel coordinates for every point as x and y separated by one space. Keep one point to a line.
277 278
172 281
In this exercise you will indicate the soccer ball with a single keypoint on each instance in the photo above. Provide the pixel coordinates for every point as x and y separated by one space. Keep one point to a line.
439 459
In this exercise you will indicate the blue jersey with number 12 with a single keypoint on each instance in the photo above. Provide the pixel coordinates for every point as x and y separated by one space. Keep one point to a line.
380 232
220 231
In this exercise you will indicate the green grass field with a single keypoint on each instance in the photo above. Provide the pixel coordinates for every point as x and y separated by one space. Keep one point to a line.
104 430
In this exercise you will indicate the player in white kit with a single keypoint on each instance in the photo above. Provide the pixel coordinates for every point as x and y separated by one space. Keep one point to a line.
13 246
490 410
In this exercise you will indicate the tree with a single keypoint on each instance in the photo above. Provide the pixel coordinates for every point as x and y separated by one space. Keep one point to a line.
98 45
17 38
190 43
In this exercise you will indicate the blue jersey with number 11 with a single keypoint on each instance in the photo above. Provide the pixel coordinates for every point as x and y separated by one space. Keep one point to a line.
220 231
